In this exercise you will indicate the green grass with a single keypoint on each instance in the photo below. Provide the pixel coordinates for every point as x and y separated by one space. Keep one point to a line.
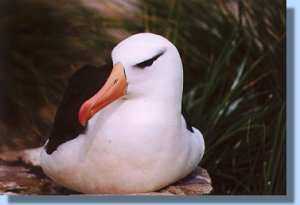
234 86
233 54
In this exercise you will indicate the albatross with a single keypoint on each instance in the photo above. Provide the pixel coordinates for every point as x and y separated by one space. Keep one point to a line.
121 128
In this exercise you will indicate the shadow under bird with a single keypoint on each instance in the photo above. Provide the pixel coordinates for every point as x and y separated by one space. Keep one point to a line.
121 128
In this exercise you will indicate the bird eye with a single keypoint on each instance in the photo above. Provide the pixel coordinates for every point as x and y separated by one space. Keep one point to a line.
148 62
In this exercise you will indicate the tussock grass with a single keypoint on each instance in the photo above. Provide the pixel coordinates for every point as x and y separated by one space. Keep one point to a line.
234 58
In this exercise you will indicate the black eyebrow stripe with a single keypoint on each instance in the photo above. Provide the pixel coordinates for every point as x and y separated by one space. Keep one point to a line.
149 61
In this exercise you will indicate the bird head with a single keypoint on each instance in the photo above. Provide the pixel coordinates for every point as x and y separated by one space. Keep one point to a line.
145 65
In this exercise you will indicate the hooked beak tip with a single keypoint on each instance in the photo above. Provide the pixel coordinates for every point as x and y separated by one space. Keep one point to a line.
114 88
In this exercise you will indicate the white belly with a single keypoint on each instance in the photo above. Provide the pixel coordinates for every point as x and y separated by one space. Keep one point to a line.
125 153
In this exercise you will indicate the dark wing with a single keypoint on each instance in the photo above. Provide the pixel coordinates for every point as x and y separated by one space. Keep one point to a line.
186 118
85 83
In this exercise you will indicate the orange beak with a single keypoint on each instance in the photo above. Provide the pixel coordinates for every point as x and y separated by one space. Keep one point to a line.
114 88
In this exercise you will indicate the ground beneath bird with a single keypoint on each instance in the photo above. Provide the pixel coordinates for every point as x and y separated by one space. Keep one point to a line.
21 175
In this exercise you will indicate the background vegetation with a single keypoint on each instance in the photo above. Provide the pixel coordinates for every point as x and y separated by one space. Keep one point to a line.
233 54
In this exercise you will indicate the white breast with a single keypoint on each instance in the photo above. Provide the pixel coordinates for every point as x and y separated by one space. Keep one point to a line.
132 151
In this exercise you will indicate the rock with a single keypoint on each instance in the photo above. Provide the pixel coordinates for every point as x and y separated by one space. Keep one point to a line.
20 173
29 156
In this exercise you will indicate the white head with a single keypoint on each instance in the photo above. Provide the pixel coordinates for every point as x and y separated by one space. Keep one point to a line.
152 65
146 65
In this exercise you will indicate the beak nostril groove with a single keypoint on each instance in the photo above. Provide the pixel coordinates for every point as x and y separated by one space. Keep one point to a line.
114 88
